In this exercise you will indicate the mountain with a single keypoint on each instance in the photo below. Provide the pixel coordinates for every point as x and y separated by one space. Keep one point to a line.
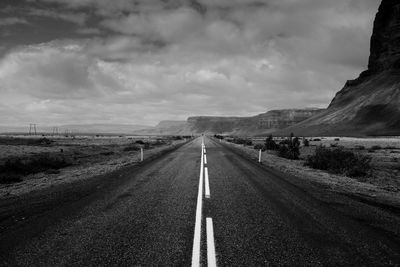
370 104
166 128
260 124
102 128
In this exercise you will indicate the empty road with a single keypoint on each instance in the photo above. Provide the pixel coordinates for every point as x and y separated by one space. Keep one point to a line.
197 205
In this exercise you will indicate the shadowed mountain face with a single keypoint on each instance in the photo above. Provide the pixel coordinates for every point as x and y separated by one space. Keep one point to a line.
260 124
370 104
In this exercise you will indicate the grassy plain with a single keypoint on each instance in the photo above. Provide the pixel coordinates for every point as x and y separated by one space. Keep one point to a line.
24 160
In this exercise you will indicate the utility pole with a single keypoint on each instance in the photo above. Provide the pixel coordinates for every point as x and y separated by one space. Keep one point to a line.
55 130
32 129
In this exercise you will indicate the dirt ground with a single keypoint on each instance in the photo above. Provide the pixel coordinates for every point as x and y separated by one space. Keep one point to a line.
89 156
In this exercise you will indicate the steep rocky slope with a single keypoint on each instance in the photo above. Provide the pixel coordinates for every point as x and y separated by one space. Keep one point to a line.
370 104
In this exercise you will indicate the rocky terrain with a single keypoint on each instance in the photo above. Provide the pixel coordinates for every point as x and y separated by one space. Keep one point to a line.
370 104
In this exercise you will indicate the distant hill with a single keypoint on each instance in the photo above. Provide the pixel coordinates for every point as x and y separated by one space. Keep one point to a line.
79 129
259 124
103 128
370 104
166 128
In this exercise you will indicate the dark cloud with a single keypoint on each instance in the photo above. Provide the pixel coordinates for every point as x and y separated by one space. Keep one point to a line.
97 60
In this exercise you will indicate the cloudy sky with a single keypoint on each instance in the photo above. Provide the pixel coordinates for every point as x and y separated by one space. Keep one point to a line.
142 61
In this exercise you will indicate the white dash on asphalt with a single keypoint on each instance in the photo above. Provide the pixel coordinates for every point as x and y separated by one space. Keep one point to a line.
205 159
204 149
207 184
211 257
197 227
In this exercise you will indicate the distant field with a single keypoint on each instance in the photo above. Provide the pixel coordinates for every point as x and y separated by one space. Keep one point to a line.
34 161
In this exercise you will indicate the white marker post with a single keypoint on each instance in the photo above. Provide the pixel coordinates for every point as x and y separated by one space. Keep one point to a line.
259 156
141 154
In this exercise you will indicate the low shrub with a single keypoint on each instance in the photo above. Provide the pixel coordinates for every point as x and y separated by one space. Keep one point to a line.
340 161
376 147
259 146
337 139
14 168
306 142
242 141
131 148
317 139
290 148
25 141
270 143
139 142
390 147
159 142
359 147
218 136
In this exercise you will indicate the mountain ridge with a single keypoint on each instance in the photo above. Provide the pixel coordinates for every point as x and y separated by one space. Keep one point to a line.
263 123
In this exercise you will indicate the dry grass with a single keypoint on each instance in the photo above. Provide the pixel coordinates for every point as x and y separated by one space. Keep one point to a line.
384 153
87 156
382 187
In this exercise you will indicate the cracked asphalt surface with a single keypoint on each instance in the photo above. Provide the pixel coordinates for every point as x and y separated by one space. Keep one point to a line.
145 215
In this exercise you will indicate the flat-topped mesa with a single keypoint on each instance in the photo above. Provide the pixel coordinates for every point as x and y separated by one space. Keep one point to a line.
274 119
279 119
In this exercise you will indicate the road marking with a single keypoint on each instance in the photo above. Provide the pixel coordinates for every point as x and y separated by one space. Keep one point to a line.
205 159
211 258
207 184
204 149
197 227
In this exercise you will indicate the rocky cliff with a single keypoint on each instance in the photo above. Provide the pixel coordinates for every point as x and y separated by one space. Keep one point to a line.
370 104
259 124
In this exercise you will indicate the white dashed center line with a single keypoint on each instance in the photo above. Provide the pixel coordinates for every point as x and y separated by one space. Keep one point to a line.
207 184
197 227
211 258
196 253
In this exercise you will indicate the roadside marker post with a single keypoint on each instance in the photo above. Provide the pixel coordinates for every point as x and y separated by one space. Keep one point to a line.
141 154
259 156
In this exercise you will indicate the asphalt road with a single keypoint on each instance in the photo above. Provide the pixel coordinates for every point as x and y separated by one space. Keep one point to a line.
146 216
